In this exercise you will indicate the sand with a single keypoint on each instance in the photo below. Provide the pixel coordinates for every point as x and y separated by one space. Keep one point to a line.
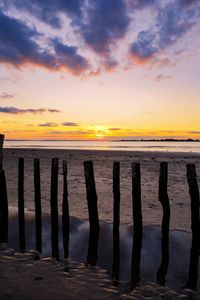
103 161
23 277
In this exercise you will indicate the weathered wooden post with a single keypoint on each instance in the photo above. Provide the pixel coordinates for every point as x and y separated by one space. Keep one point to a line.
164 200
93 213
1 151
54 208
38 209
137 225
21 218
195 249
3 198
65 213
116 220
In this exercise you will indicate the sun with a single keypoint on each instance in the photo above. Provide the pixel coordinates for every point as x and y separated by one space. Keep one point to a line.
100 132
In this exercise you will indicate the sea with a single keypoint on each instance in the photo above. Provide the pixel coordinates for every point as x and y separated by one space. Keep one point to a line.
112 145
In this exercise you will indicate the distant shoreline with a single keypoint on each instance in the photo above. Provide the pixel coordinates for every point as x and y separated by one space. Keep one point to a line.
120 140
162 140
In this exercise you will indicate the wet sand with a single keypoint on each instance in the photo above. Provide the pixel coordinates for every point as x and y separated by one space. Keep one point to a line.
23 277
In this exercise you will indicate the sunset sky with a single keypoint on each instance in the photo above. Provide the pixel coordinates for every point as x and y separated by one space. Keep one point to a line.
99 69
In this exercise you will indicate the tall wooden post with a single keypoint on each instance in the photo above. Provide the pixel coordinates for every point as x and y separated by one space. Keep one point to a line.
3 198
1 151
116 220
137 225
164 200
195 249
54 208
38 209
21 218
65 213
93 213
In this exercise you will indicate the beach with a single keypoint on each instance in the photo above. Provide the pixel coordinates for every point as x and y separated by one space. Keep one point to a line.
103 164
79 282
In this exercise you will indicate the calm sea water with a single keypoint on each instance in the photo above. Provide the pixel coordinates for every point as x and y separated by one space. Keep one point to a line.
193 147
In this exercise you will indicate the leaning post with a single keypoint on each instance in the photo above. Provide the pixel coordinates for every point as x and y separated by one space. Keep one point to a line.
93 213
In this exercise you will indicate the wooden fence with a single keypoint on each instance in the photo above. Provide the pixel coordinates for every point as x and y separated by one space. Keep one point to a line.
92 200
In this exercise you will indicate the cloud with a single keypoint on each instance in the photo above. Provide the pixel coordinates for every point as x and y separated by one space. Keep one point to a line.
19 47
87 36
106 22
48 11
5 96
17 44
160 77
15 110
171 24
114 129
194 132
70 124
143 49
175 20
68 57
49 124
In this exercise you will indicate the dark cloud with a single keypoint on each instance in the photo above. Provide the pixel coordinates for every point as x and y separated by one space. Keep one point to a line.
114 129
67 56
106 22
194 132
18 46
49 124
100 25
143 48
15 110
172 22
6 96
70 124
48 11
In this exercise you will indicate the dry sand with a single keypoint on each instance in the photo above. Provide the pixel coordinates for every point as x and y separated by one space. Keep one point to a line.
103 161
24 278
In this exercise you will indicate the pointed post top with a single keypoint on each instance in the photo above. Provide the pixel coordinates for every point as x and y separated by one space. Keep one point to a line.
1 151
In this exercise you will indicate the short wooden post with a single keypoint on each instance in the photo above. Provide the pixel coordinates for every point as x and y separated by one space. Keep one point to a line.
3 198
137 225
38 209
195 221
54 208
164 200
93 213
116 221
21 218
65 213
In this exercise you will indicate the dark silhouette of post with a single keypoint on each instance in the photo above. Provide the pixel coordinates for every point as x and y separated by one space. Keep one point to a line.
3 198
54 208
195 222
116 221
1 151
164 200
93 213
137 225
65 213
21 218
38 209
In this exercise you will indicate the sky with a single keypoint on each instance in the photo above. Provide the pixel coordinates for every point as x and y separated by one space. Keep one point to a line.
99 69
